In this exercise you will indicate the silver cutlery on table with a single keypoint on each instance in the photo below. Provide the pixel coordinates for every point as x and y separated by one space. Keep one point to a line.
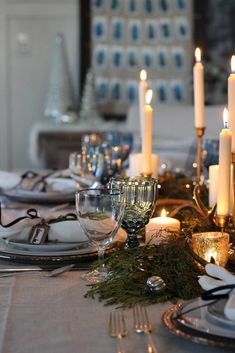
142 325
11 271
117 328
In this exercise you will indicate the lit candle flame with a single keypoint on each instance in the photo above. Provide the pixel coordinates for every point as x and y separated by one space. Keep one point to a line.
233 63
163 213
149 95
143 75
198 55
225 118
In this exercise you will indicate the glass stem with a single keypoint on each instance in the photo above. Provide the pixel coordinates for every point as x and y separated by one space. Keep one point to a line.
101 251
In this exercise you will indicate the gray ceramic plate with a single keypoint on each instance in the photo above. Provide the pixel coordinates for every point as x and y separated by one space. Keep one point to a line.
39 197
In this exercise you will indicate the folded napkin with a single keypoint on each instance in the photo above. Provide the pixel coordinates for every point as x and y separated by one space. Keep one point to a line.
220 277
9 180
54 184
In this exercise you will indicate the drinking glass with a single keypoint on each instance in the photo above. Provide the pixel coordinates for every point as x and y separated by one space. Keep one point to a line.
139 197
100 212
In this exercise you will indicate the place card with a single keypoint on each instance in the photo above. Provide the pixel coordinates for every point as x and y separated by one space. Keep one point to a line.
39 233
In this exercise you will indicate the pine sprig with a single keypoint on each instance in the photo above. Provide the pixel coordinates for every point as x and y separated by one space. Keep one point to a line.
130 269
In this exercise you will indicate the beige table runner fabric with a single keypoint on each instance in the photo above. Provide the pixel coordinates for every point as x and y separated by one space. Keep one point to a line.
50 315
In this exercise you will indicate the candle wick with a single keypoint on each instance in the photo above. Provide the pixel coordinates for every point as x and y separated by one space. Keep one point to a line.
226 124
212 260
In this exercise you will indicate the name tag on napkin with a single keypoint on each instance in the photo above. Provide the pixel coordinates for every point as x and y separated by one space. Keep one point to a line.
39 233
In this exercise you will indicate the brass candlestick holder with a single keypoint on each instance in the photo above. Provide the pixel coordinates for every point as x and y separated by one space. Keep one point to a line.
200 133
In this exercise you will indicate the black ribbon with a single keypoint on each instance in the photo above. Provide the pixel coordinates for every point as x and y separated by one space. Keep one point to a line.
211 294
31 213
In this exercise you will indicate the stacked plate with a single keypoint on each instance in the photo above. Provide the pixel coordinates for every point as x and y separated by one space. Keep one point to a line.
206 324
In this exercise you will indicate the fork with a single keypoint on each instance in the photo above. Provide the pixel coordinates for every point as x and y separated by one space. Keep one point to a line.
142 325
117 328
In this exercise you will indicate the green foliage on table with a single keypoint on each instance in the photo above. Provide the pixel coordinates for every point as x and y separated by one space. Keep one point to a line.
130 269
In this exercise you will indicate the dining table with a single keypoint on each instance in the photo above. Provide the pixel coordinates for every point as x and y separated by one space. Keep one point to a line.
41 314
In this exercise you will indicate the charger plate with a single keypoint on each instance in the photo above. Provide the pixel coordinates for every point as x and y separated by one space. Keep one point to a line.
39 197
195 328
81 253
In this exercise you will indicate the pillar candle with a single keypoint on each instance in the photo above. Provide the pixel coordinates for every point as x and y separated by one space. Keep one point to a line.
198 78
136 164
231 101
160 228
143 86
223 196
147 134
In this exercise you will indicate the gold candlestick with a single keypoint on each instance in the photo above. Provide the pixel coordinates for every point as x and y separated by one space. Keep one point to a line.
200 132
221 221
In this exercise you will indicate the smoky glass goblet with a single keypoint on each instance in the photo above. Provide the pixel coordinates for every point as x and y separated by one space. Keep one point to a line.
139 197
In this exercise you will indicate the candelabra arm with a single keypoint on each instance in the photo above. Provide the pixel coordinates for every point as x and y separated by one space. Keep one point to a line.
202 209
199 132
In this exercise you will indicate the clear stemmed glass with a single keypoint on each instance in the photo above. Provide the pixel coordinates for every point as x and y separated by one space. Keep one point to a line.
139 197
100 213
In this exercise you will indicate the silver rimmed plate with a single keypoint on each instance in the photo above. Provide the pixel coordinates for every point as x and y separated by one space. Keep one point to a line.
39 197
195 327
83 252
216 313
48 247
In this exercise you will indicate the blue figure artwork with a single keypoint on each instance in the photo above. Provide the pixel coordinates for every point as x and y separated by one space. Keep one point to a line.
150 32
102 91
165 28
177 92
135 35
117 59
182 30
116 92
114 5
117 31
100 58
132 60
161 59
148 6
132 6
161 93
181 5
97 4
178 60
147 60
163 5
131 93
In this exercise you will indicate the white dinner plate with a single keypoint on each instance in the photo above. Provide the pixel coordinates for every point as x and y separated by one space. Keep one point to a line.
216 313
39 197
46 247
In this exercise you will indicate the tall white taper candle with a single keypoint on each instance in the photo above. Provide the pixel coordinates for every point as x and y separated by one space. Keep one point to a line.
198 79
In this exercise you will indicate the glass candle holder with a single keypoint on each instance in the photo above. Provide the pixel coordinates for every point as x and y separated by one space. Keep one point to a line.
211 246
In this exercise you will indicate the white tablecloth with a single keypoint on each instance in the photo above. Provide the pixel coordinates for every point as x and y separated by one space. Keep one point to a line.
51 315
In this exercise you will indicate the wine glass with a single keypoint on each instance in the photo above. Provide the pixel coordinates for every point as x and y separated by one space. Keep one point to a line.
100 212
139 197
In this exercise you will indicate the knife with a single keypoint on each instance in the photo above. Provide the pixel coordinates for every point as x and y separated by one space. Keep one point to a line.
20 269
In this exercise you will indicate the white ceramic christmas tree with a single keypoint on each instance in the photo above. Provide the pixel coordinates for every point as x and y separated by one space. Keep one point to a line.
89 111
59 99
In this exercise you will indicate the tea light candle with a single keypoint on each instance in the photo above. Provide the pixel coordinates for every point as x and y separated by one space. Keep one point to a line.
211 246
160 228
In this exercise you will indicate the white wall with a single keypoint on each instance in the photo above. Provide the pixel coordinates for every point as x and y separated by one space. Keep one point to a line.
24 69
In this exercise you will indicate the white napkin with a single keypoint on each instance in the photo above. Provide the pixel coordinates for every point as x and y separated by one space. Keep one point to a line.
222 277
60 185
9 180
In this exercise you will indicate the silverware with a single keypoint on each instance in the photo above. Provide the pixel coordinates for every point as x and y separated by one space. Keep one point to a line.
142 325
117 328
59 271
19 269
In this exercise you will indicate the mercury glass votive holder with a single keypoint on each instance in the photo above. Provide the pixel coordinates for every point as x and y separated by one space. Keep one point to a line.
211 246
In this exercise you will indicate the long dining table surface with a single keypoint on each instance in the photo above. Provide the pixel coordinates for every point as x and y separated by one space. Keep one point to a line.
40 314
